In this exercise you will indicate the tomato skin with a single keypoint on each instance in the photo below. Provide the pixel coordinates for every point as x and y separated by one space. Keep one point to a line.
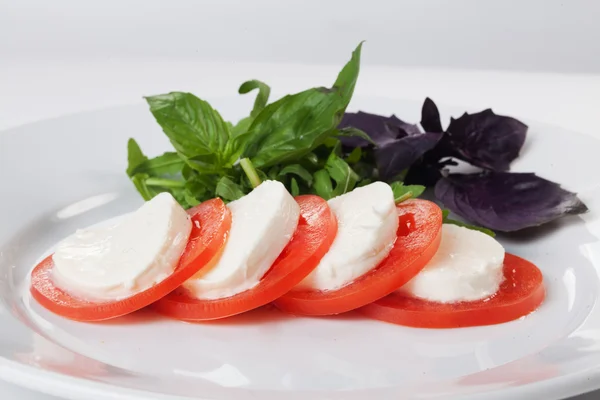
419 236
316 231
521 293
211 222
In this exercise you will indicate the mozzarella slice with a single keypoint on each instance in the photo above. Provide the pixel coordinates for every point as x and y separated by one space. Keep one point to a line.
466 267
263 223
367 225
118 261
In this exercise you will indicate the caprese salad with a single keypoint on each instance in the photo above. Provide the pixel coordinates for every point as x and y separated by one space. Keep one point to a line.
357 251
314 209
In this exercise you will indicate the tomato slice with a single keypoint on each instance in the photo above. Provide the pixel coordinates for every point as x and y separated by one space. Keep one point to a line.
211 222
313 237
521 293
419 236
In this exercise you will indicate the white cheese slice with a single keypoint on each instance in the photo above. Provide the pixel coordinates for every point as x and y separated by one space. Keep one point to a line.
367 225
114 262
263 222
467 267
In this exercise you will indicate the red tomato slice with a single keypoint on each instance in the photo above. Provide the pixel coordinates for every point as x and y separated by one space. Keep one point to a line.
521 293
313 237
211 222
419 235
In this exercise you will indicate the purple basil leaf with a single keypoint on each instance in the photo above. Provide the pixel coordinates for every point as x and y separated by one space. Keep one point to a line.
425 173
486 140
430 117
505 201
381 129
431 122
395 156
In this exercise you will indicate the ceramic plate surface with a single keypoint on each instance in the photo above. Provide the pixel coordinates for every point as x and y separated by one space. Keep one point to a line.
67 173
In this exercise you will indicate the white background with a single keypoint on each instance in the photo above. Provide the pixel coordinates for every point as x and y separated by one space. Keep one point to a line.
534 35
531 58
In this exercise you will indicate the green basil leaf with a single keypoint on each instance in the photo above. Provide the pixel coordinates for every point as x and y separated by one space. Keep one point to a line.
365 168
184 197
193 126
213 164
351 131
135 157
403 192
311 159
228 190
447 220
343 175
202 187
333 143
242 126
179 195
139 181
417 190
322 184
298 170
191 200
187 172
206 164
294 189
346 80
273 173
293 126
262 98
354 156
166 164
235 147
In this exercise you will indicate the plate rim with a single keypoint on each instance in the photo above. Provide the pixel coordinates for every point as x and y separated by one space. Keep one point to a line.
76 388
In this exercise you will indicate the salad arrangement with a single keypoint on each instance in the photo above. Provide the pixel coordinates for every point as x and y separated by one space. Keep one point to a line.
315 210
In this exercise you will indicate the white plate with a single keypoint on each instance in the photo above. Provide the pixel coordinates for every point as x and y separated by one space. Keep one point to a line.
65 173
